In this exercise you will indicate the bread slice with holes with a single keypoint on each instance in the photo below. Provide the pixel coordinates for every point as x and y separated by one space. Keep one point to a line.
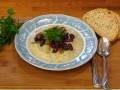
104 22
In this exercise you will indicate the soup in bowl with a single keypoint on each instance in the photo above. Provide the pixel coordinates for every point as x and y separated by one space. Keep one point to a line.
67 50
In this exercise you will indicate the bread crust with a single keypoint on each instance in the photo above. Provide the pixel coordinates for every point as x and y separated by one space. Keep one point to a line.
118 18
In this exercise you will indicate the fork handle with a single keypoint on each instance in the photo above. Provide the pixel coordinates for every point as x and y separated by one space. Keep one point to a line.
96 77
105 82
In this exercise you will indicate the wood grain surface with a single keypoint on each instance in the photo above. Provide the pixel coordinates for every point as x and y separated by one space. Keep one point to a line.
16 73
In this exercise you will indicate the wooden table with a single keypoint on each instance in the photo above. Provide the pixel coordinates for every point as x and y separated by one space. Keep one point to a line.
16 73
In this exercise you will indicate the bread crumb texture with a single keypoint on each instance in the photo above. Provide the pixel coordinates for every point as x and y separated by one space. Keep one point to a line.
104 22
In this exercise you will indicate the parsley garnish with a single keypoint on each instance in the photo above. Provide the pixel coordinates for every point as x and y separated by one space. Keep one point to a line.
8 28
54 34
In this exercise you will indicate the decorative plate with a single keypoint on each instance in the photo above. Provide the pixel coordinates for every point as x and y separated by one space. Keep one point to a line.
90 41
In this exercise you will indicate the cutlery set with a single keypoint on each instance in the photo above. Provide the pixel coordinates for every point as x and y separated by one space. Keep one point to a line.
104 49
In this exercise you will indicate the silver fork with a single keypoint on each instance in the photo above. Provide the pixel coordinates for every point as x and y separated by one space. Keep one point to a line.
96 77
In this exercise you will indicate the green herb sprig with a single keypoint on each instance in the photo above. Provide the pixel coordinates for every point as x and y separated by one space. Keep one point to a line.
54 34
8 28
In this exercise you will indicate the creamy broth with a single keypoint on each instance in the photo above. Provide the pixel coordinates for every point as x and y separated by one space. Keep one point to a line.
45 54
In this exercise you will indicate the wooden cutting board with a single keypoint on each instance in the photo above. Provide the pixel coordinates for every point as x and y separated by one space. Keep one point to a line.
16 73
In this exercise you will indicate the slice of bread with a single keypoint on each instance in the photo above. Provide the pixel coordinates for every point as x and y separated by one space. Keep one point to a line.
104 22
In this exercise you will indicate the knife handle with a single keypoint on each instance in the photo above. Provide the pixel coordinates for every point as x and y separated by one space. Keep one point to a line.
96 77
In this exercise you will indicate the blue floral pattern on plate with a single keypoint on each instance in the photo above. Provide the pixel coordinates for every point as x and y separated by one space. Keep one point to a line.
90 44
